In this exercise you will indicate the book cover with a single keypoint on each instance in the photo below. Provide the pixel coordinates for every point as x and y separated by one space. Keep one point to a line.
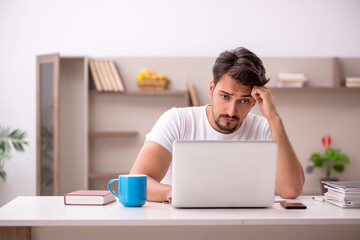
342 197
115 73
110 77
103 78
342 192
292 76
193 98
352 79
289 85
89 197
346 186
95 75
343 204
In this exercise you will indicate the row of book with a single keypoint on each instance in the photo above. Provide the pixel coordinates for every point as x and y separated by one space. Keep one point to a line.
345 194
106 76
291 80
352 82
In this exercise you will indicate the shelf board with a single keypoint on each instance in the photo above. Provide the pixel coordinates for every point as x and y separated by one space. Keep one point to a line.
112 133
138 92
288 89
95 175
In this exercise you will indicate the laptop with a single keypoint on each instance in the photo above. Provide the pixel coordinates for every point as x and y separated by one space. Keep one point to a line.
223 174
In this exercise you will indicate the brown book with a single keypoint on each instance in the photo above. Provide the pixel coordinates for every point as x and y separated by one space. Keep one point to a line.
95 76
110 77
193 98
102 76
89 197
119 83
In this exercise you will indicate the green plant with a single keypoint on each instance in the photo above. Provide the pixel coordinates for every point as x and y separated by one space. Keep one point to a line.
331 159
10 137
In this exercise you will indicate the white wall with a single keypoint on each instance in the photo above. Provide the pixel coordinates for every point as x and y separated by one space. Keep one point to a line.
152 28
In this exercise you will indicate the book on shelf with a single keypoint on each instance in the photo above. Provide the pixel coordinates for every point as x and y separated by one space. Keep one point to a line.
89 197
109 76
289 85
103 79
193 98
292 76
116 75
95 75
344 194
352 81
289 80
106 76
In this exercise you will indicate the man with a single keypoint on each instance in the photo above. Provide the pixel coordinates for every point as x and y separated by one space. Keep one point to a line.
239 79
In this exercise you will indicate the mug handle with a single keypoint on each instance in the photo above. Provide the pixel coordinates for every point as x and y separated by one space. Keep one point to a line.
110 182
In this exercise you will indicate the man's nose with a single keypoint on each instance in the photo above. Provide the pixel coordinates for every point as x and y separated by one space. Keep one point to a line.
232 109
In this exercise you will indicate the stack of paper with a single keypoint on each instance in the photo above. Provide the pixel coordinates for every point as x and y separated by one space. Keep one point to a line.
291 80
345 194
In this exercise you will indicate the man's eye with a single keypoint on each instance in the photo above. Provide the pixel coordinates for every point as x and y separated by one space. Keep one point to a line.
245 101
224 96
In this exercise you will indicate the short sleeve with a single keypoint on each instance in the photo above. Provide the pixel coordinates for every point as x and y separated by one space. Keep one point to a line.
267 132
166 130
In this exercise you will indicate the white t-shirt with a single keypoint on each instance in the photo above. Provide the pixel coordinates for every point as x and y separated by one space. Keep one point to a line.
191 123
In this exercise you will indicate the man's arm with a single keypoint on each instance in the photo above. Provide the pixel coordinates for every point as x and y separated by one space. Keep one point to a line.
154 161
289 173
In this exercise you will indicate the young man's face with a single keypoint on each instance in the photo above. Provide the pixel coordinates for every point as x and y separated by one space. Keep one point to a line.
231 102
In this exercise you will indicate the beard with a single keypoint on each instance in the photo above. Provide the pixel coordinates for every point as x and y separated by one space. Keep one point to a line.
228 127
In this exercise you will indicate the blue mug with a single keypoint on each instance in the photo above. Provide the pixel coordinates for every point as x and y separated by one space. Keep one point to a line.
132 190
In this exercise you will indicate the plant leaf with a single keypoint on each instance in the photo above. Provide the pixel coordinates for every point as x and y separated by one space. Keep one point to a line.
315 155
318 162
339 168
331 153
3 175
15 137
342 158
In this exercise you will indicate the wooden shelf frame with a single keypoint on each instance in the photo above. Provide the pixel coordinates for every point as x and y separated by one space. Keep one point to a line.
138 92
287 89
112 133
104 175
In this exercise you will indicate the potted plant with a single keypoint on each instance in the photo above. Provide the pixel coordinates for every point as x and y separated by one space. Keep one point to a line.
7 138
331 160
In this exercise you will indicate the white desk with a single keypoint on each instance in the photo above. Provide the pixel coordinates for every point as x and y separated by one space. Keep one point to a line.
51 219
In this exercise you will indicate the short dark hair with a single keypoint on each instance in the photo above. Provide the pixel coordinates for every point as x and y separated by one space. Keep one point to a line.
242 65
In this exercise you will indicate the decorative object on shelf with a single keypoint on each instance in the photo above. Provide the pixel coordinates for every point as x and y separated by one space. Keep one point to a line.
352 82
331 159
290 80
106 76
7 137
150 80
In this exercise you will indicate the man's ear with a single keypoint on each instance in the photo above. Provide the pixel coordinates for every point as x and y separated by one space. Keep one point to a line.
211 88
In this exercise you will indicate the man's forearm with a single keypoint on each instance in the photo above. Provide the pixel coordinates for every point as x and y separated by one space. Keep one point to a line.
157 192
290 175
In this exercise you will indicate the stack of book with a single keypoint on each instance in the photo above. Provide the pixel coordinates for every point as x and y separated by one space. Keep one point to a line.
291 80
352 82
345 194
106 76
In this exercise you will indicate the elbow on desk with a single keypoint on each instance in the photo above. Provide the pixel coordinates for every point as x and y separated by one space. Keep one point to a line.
291 192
